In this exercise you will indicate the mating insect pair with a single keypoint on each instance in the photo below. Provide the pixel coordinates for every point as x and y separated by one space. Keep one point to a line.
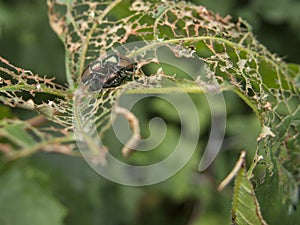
110 72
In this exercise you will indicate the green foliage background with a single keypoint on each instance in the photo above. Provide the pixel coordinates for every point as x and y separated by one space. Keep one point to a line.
57 189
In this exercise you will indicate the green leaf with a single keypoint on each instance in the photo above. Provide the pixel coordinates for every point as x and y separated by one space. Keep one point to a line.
270 193
5 112
245 207
17 133
25 202
22 139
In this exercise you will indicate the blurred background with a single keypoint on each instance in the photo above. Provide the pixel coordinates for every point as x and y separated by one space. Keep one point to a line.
65 190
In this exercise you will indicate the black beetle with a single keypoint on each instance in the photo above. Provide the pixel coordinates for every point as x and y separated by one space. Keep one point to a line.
110 72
